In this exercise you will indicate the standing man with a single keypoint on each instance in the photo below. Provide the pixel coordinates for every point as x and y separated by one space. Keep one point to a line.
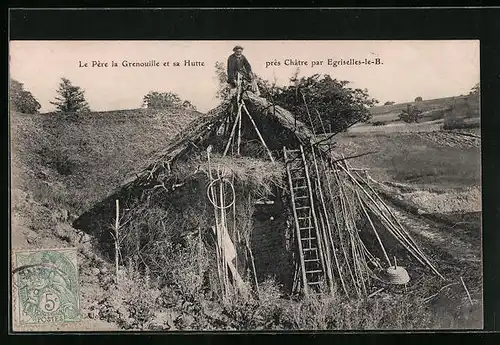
238 63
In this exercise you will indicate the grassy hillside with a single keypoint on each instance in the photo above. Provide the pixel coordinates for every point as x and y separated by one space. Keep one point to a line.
423 105
75 160
435 160
449 108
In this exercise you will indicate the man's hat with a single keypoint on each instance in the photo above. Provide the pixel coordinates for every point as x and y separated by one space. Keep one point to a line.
237 47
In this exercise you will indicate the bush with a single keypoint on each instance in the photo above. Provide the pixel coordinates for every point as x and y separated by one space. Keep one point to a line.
410 114
131 303
418 99
161 100
22 100
389 103
321 102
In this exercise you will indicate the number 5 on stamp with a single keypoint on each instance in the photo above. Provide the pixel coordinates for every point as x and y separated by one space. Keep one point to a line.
46 286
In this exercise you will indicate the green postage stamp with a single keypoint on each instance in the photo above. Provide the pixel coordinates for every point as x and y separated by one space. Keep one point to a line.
46 286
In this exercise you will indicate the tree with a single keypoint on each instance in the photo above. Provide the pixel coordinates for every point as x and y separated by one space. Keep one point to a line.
161 100
419 99
323 103
389 103
221 77
71 98
21 100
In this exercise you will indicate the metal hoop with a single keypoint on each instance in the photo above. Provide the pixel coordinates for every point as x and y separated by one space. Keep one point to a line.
213 202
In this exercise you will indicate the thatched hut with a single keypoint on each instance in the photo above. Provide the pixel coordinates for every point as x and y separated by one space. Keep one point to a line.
226 185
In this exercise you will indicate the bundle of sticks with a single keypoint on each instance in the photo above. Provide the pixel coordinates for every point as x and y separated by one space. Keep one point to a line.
344 197
230 281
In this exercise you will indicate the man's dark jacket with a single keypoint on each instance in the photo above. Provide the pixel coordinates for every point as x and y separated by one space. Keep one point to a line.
235 65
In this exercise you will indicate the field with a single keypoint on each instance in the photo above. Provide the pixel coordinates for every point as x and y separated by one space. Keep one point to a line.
64 164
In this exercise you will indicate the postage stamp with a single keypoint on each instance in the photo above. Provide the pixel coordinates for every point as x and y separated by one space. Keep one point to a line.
45 286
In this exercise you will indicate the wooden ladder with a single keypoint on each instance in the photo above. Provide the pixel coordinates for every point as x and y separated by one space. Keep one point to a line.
306 223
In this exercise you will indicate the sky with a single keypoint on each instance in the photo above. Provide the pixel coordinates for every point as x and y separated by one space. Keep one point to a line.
406 69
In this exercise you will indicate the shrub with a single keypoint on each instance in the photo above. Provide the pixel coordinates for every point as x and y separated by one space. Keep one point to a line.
410 114
323 103
418 99
161 100
132 302
22 100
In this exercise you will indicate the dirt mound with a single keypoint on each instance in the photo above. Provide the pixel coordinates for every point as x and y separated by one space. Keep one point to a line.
63 163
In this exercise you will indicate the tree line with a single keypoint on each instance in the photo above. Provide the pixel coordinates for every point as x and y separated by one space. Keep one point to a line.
325 104
71 99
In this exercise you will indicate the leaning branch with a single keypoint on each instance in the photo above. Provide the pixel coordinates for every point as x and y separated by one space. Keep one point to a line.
355 156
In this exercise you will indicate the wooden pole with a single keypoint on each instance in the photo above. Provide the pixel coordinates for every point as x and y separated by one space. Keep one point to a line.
389 222
216 228
200 251
233 130
308 114
466 290
389 211
338 225
221 234
373 227
117 248
258 132
239 133
404 232
343 213
324 238
253 267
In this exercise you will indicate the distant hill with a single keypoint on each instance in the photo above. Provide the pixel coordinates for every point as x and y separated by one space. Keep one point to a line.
454 108
424 105
74 160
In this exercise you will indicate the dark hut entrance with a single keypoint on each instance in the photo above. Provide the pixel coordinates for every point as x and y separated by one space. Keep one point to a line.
269 242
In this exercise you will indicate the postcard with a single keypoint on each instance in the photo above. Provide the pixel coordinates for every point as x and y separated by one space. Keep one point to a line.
245 185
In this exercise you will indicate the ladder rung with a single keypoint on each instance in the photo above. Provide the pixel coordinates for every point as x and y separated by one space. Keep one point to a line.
307 227
313 271
299 178
302 197
313 283
292 150
299 187
303 218
311 260
308 238
302 207
309 249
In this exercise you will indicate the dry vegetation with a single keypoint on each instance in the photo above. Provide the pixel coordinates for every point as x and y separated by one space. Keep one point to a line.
74 160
